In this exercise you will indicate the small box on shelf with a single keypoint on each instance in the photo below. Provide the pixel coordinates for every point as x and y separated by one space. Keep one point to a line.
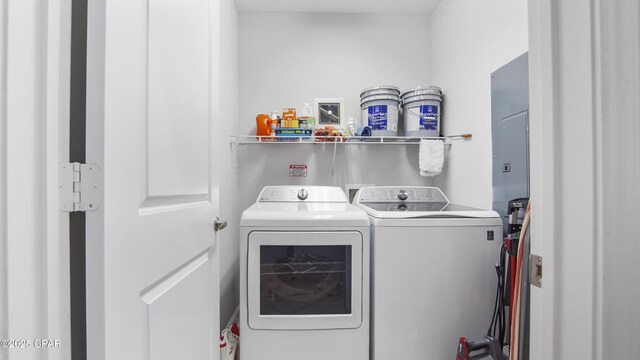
292 134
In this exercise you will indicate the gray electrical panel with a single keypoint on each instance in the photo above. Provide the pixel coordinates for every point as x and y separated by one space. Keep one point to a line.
510 133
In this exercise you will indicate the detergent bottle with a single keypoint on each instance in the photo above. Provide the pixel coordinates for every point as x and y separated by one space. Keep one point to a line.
263 125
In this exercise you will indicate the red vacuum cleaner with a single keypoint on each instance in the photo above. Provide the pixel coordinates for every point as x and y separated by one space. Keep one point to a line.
514 226
485 349
490 348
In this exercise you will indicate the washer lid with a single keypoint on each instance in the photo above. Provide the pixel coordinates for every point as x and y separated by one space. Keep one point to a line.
409 202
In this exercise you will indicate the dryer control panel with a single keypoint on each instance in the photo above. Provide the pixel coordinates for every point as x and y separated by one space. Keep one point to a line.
322 194
395 194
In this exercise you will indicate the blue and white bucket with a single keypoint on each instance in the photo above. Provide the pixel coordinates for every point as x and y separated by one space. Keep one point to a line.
381 109
422 110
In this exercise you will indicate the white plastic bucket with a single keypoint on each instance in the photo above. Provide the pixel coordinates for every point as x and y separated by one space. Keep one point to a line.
422 90
381 114
380 90
422 109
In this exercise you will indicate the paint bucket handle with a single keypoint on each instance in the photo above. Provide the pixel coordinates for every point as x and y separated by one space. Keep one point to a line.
418 114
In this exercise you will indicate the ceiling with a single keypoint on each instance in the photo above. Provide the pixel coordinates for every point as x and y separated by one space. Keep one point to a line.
340 6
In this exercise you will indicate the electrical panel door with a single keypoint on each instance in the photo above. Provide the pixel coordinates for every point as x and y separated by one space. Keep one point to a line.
510 133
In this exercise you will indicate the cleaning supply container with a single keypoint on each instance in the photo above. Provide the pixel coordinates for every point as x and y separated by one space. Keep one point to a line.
263 125
380 107
422 107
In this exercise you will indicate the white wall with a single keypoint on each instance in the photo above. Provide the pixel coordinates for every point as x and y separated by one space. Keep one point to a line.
228 123
262 165
34 128
287 59
25 115
470 40
620 42
4 317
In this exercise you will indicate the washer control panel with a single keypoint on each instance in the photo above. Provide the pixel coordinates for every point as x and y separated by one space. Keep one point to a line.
397 194
302 193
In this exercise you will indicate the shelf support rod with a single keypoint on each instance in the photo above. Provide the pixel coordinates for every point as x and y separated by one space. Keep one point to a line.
333 162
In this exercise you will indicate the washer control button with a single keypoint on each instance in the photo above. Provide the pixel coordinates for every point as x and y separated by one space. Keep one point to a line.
402 195
303 194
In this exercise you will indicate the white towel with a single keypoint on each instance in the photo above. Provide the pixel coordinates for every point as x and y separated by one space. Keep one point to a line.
431 157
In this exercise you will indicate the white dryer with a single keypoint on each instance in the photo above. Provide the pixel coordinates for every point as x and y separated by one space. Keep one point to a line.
304 285
433 275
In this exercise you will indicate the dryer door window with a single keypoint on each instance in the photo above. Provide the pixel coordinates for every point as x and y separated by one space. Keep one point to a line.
304 280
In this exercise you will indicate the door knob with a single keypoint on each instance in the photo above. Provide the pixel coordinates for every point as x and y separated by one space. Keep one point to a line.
219 224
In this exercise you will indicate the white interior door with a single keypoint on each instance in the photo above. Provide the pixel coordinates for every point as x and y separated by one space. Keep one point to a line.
152 287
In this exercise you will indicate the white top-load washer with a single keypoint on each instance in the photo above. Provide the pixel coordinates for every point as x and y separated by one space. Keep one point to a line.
304 276
433 275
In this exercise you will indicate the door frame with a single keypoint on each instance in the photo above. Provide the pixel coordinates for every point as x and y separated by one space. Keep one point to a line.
567 94
34 141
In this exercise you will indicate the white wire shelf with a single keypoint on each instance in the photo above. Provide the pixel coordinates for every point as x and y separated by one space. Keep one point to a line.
347 140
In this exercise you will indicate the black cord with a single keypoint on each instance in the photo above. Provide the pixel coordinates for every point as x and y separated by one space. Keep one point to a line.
503 317
497 318
496 310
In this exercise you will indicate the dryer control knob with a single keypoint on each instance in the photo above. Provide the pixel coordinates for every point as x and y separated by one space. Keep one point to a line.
402 195
303 194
